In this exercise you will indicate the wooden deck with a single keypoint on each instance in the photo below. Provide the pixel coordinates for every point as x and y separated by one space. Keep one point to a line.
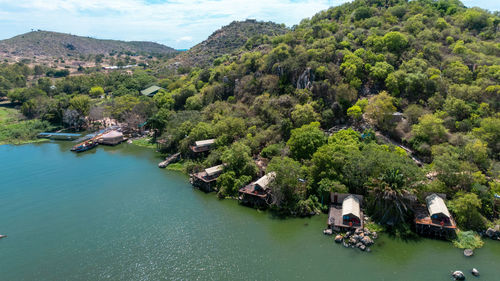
422 217
426 226
336 221
197 149
203 182
248 196
171 159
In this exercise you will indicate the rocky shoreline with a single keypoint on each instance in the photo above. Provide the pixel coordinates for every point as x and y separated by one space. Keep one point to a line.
360 238
492 233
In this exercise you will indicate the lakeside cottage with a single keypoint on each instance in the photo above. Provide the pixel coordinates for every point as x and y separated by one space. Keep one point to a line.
257 193
434 219
345 212
202 146
206 179
151 91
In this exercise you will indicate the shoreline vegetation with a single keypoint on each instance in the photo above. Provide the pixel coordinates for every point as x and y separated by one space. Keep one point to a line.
17 130
391 102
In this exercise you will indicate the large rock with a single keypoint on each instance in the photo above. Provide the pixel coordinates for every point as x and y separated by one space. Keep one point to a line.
352 241
305 79
458 275
490 232
374 235
356 237
367 241
475 272
468 252
338 238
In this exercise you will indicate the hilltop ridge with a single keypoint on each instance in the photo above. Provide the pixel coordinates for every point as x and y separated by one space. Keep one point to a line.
55 44
228 39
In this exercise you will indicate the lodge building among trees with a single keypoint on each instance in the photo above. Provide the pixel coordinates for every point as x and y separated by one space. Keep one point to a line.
345 212
435 220
206 179
257 193
202 146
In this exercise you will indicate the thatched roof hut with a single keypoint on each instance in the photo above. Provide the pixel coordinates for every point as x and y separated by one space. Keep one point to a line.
436 206
202 145
351 208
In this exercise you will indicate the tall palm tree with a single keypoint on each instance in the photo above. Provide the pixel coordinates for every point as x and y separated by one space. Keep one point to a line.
392 198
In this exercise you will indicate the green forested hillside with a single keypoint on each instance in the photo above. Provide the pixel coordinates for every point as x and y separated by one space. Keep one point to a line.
423 73
229 39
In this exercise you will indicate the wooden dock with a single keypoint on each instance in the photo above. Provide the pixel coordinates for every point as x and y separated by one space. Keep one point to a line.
93 139
169 160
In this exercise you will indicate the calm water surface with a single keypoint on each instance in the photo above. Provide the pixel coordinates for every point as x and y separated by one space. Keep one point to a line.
111 214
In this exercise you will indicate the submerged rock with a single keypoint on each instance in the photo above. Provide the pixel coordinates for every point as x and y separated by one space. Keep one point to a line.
458 275
475 272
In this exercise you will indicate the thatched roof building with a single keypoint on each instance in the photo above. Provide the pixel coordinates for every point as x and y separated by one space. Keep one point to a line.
258 192
434 219
436 206
351 208
202 145
345 211
206 179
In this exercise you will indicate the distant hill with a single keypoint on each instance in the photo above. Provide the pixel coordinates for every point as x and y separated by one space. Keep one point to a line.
54 44
229 39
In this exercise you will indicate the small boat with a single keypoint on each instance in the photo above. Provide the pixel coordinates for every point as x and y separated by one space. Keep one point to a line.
3 236
85 146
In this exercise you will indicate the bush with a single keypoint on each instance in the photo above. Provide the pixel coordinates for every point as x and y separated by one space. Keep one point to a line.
468 240
272 150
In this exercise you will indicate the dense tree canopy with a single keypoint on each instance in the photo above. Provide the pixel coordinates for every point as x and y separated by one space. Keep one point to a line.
424 73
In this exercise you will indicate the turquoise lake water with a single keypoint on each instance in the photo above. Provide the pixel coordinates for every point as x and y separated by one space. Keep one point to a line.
111 214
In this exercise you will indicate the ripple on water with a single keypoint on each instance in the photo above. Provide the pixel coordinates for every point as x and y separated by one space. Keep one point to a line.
113 215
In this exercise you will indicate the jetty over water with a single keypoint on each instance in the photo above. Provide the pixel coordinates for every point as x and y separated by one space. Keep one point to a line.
59 136
171 159
91 140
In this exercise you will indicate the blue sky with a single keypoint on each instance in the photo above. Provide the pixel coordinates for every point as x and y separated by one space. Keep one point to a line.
176 23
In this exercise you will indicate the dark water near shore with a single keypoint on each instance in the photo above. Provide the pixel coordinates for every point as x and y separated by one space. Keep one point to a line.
111 214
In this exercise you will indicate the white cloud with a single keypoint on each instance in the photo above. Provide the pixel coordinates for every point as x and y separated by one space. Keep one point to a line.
176 23
185 38
169 22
